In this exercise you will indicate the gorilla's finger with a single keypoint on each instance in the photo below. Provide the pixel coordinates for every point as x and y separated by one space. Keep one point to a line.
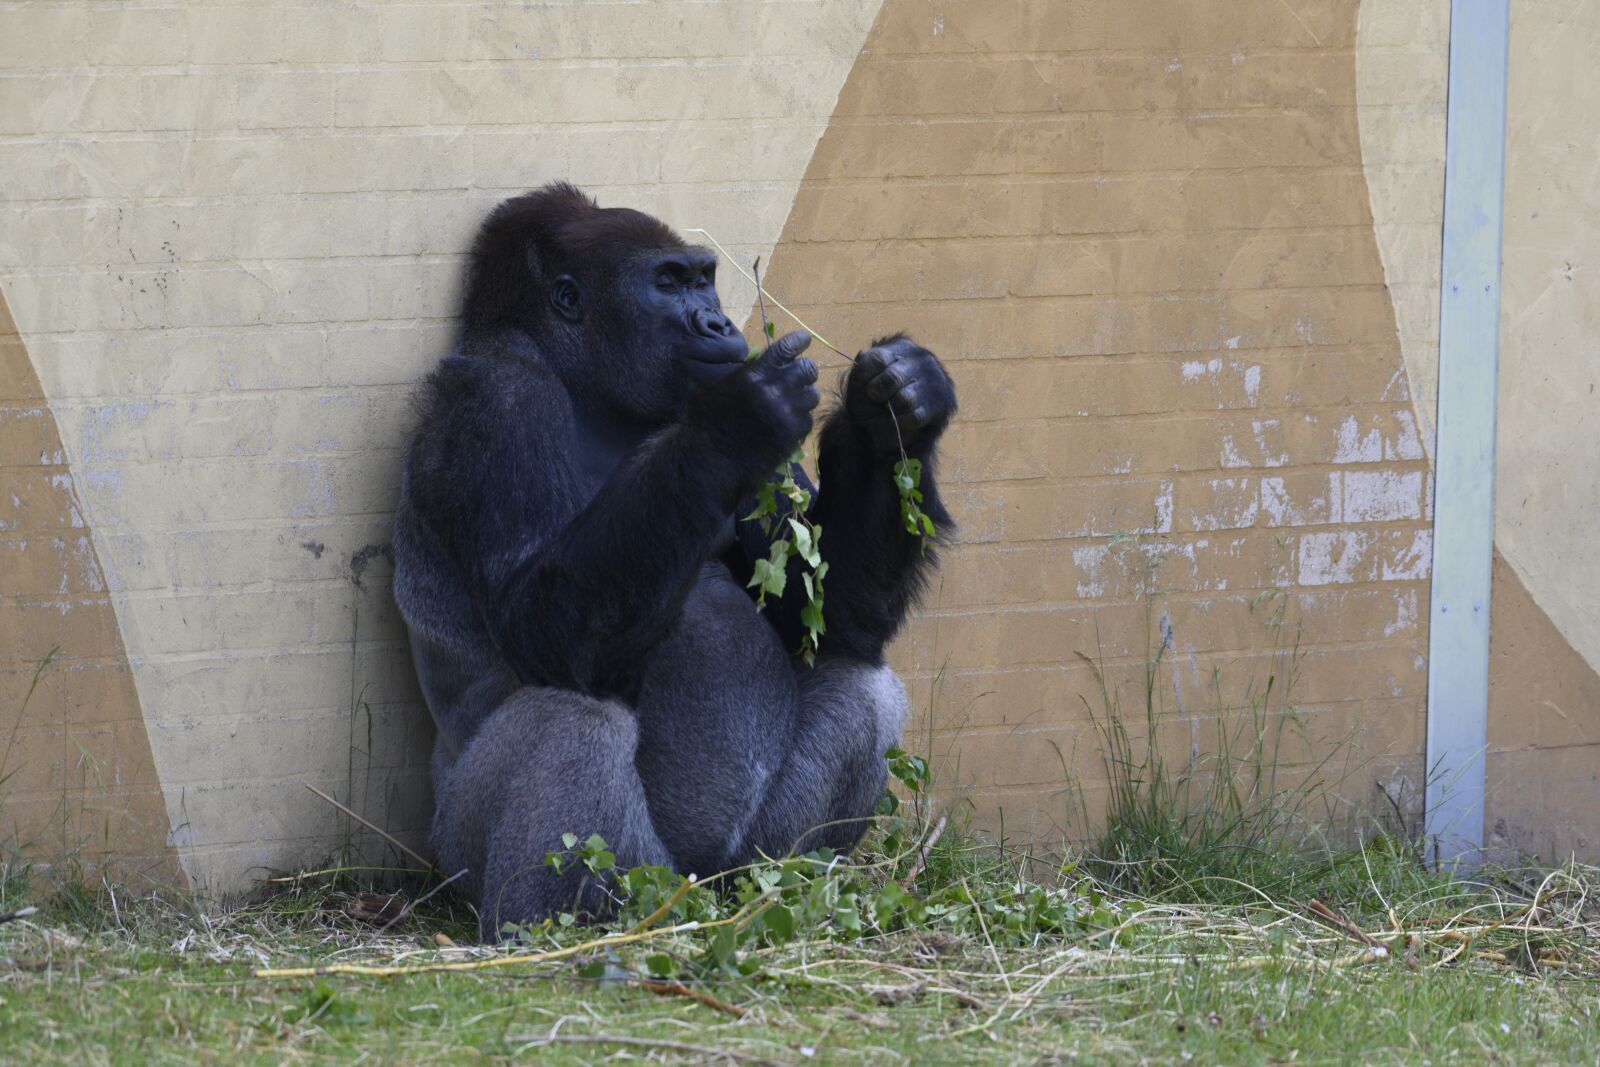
811 397
872 361
806 370
906 400
889 381
786 348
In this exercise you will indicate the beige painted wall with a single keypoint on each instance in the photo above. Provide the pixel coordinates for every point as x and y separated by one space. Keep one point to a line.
231 237
1548 486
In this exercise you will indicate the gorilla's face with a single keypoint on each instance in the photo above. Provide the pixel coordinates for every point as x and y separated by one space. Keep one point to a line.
678 304
668 326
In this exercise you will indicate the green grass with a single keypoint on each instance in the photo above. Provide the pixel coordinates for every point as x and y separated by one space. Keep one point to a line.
1160 981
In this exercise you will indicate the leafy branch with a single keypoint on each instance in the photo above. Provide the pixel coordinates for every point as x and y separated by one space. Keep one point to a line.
798 535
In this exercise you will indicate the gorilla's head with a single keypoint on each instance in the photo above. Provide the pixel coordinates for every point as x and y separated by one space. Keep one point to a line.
622 308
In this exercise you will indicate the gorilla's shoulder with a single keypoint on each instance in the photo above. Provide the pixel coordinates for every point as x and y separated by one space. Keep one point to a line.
484 421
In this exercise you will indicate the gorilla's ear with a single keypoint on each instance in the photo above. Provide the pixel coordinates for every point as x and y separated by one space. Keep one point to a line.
566 298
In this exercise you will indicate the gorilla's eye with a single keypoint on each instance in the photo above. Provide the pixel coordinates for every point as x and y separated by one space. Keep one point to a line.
665 281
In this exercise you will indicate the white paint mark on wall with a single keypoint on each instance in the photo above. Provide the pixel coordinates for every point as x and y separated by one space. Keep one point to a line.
1352 445
1091 561
1335 557
1412 559
1405 615
1382 496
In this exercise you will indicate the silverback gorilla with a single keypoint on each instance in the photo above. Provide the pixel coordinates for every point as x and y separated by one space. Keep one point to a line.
571 564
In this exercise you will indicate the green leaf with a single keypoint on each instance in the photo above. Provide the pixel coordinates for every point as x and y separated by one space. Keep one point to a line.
772 330
780 920
724 945
766 502
569 840
811 619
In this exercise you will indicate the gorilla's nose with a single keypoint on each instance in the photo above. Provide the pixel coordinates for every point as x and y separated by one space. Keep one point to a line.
712 323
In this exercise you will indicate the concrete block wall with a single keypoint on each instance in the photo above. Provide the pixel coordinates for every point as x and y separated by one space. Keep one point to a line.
1143 234
1178 254
231 238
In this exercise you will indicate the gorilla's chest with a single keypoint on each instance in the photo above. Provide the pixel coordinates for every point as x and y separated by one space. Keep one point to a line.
721 664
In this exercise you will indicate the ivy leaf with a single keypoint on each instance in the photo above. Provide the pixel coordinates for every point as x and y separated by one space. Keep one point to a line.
766 503
807 542
811 618
780 920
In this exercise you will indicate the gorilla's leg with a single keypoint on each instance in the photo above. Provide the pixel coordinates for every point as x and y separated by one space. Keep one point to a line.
834 774
545 763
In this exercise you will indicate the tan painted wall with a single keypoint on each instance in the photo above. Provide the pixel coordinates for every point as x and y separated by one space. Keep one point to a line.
1182 257
1142 236
1544 766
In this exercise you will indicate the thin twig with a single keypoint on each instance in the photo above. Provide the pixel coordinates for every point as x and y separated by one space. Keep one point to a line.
671 902
1338 922
678 989
775 302
20 913
396 842
977 910
922 858
423 899
647 1042
365 971
761 301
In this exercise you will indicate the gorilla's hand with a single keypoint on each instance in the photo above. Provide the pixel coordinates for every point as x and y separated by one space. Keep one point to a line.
762 411
897 385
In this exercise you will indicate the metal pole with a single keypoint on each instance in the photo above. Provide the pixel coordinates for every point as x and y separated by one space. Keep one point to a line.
1469 353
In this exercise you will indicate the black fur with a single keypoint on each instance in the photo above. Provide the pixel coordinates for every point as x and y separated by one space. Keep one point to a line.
571 566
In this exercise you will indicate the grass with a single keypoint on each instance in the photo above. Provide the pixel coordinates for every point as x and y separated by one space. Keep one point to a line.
1495 970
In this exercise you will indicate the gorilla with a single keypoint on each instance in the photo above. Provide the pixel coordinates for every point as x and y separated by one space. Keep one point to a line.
571 564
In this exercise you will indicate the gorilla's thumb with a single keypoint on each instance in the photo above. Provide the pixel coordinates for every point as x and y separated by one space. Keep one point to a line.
787 348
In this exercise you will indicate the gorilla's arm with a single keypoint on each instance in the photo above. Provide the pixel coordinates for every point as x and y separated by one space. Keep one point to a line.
577 590
876 569
585 610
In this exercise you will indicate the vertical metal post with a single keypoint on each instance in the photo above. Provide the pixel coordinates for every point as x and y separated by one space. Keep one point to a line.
1469 354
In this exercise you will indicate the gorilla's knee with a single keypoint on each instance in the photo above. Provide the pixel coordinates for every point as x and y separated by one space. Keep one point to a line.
548 762
854 696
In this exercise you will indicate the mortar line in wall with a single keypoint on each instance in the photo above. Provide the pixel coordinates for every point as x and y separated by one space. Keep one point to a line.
911 182
1156 54
1235 594
135 268
1143 297
987 730
354 127
368 520
1266 357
